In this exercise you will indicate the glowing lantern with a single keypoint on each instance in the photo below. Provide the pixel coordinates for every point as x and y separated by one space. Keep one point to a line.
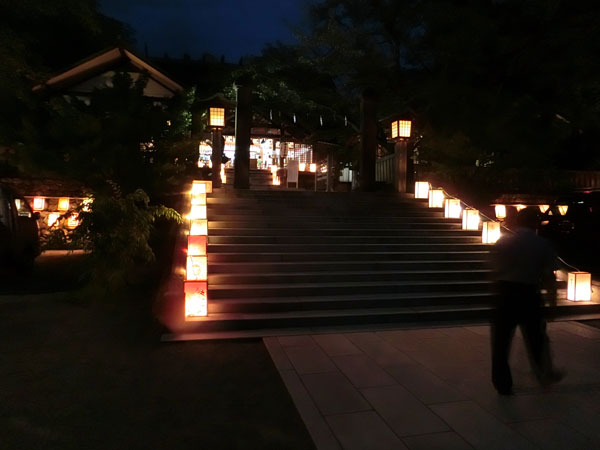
39 203
274 169
436 198
196 245
18 203
544 208
520 207
86 204
452 208
217 117
53 218
197 212
500 211
198 190
199 227
313 167
422 189
198 199
223 177
63 204
579 286
490 232
470 219
401 129
196 268
73 221
302 167
562 209
196 301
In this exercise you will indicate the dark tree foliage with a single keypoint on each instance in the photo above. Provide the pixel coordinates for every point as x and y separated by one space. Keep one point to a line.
499 83
39 37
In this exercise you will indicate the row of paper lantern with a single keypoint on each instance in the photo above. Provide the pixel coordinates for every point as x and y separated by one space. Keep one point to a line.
579 284
453 210
196 269
500 210
63 205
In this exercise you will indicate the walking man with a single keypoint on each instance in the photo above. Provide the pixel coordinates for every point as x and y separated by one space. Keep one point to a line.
523 263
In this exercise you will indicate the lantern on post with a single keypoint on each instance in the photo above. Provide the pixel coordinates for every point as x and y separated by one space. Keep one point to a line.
470 219
579 286
490 232
422 189
562 209
544 208
452 208
401 129
436 198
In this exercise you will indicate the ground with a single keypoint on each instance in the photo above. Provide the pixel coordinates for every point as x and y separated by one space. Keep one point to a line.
76 375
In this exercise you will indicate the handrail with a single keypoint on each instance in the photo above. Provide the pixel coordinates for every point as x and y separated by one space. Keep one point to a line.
446 194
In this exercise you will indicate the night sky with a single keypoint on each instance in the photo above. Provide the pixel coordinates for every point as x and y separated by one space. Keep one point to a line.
233 28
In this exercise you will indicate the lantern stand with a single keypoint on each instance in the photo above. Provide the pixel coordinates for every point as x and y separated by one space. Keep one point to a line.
403 173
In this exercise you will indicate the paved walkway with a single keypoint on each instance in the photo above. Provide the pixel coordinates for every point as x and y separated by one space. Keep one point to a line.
430 389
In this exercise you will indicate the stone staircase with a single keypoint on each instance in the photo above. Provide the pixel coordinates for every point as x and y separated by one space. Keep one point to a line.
285 260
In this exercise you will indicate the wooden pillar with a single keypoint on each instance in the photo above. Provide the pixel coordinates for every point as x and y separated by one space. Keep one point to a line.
400 166
216 157
243 122
368 140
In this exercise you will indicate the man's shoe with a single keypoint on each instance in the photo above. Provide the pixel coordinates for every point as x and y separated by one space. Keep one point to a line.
556 376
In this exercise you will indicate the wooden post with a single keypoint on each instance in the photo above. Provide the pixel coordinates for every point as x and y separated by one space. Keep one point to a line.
368 140
400 165
216 157
243 121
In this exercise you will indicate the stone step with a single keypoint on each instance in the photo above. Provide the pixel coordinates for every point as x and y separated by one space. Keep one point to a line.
354 240
332 302
345 203
309 220
346 256
342 266
345 248
273 222
347 288
298 193
347 276
340 232
215 211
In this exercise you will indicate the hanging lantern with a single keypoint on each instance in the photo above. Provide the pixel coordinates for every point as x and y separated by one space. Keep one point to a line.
436 198
87 203
452 208
63 204
216 117
53 219
500 211
196 245
562 209
579 286
422 189
39 203
520 207
73 221
544 208
313 167
196 299
470 219
490 232
199 227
